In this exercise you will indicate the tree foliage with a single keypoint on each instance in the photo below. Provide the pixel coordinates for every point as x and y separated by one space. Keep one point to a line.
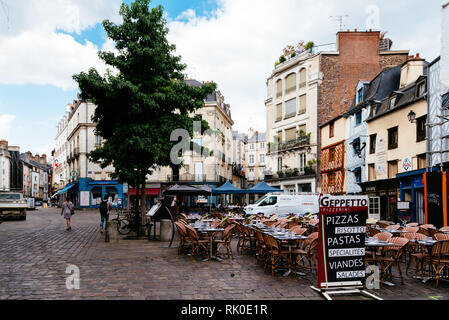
145 99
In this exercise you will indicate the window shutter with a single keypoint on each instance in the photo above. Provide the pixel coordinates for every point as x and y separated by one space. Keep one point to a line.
290 108
290 83
302 78
302 104
290 134
279 112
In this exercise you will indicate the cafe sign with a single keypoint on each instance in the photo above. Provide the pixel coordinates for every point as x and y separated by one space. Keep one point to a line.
341 242
407 164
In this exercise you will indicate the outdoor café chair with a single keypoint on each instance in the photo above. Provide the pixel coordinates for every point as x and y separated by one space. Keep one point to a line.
441 236
415 250
424 231
434 232
276 255
184 240
392 257
412 224
262 248
393 227
197 242
244 241
370 256
307 253
439 259
411 229
444 229
427 226
226 242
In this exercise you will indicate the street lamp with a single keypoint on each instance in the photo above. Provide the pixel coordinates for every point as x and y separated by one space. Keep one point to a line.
411 116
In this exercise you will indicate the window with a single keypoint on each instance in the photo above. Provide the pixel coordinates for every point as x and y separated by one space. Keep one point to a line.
422 161
374 208
392 102
421 129
372 143
251 146
331 129
251 159
302 162
262 145
332 178
279 88
360 95
262 159
198 171
251 175
331 154
302 104
271 201
279 137
421 89
98 141
392 138
279 164
302 78
371 172
290 135
358 118
358 175
279 112
290 83
302 130
290 108
392 169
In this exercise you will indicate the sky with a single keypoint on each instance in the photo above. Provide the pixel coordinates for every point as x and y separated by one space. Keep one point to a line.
231 42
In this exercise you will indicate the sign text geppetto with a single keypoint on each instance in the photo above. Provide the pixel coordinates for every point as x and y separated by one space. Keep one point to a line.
341 242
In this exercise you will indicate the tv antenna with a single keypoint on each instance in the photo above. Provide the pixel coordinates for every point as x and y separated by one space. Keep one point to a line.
340 19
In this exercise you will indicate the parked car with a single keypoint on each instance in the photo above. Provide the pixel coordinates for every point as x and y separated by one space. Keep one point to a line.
276 203
38 203
12 206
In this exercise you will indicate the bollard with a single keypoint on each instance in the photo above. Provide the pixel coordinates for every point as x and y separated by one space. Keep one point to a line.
166 230
111 234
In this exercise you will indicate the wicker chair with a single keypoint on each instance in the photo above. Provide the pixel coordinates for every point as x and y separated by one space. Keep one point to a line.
439 260
392 257
184 240
393 227
276 255
414 250
444 229
245 238
225 242
411 229
424 231
261 247
306 253
197 242
370 256
412 224
441 237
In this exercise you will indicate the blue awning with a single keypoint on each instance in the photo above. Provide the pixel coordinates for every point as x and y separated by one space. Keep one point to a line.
263 188
67 188
228 188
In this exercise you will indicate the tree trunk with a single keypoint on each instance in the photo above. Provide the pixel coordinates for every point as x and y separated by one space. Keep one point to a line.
143 205
136 208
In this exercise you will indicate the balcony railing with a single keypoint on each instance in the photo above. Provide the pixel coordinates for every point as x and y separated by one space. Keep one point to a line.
292 174
289 145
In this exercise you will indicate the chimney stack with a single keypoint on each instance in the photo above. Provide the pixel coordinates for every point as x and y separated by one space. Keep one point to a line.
4 144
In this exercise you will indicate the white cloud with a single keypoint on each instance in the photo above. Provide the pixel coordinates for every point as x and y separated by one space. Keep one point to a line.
6 121
237 46
32 48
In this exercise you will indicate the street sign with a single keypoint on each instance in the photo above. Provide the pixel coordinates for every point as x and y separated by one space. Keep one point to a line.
125 187
341 241
74 174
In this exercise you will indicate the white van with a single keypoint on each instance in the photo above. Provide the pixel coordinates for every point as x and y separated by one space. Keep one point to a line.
277 203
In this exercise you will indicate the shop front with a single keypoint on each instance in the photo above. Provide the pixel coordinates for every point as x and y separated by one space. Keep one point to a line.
383 198
411 186
91 193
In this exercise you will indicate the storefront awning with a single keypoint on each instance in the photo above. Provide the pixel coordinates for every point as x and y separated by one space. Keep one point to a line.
67 188
149 192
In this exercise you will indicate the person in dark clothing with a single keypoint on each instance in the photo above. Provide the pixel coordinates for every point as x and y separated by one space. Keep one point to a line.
105 208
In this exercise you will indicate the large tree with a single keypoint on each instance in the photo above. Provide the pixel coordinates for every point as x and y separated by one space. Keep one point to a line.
143 99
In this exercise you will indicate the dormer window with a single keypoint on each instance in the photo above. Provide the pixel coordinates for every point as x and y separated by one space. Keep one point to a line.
421 89
392 102
360 95
358 118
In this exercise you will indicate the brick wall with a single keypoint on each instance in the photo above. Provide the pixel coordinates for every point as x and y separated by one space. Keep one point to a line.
358 59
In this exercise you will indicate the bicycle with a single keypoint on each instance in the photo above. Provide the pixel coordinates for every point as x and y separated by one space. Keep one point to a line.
127 223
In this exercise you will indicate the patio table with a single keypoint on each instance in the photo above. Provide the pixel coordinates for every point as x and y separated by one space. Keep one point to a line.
211 231
380 244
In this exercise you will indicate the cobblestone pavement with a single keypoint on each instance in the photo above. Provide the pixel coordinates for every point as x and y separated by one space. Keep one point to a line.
35 253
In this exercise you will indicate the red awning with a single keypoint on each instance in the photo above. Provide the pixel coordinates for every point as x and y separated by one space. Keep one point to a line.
148 192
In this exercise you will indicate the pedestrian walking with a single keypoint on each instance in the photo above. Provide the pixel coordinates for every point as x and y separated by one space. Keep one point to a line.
105 208
68 210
